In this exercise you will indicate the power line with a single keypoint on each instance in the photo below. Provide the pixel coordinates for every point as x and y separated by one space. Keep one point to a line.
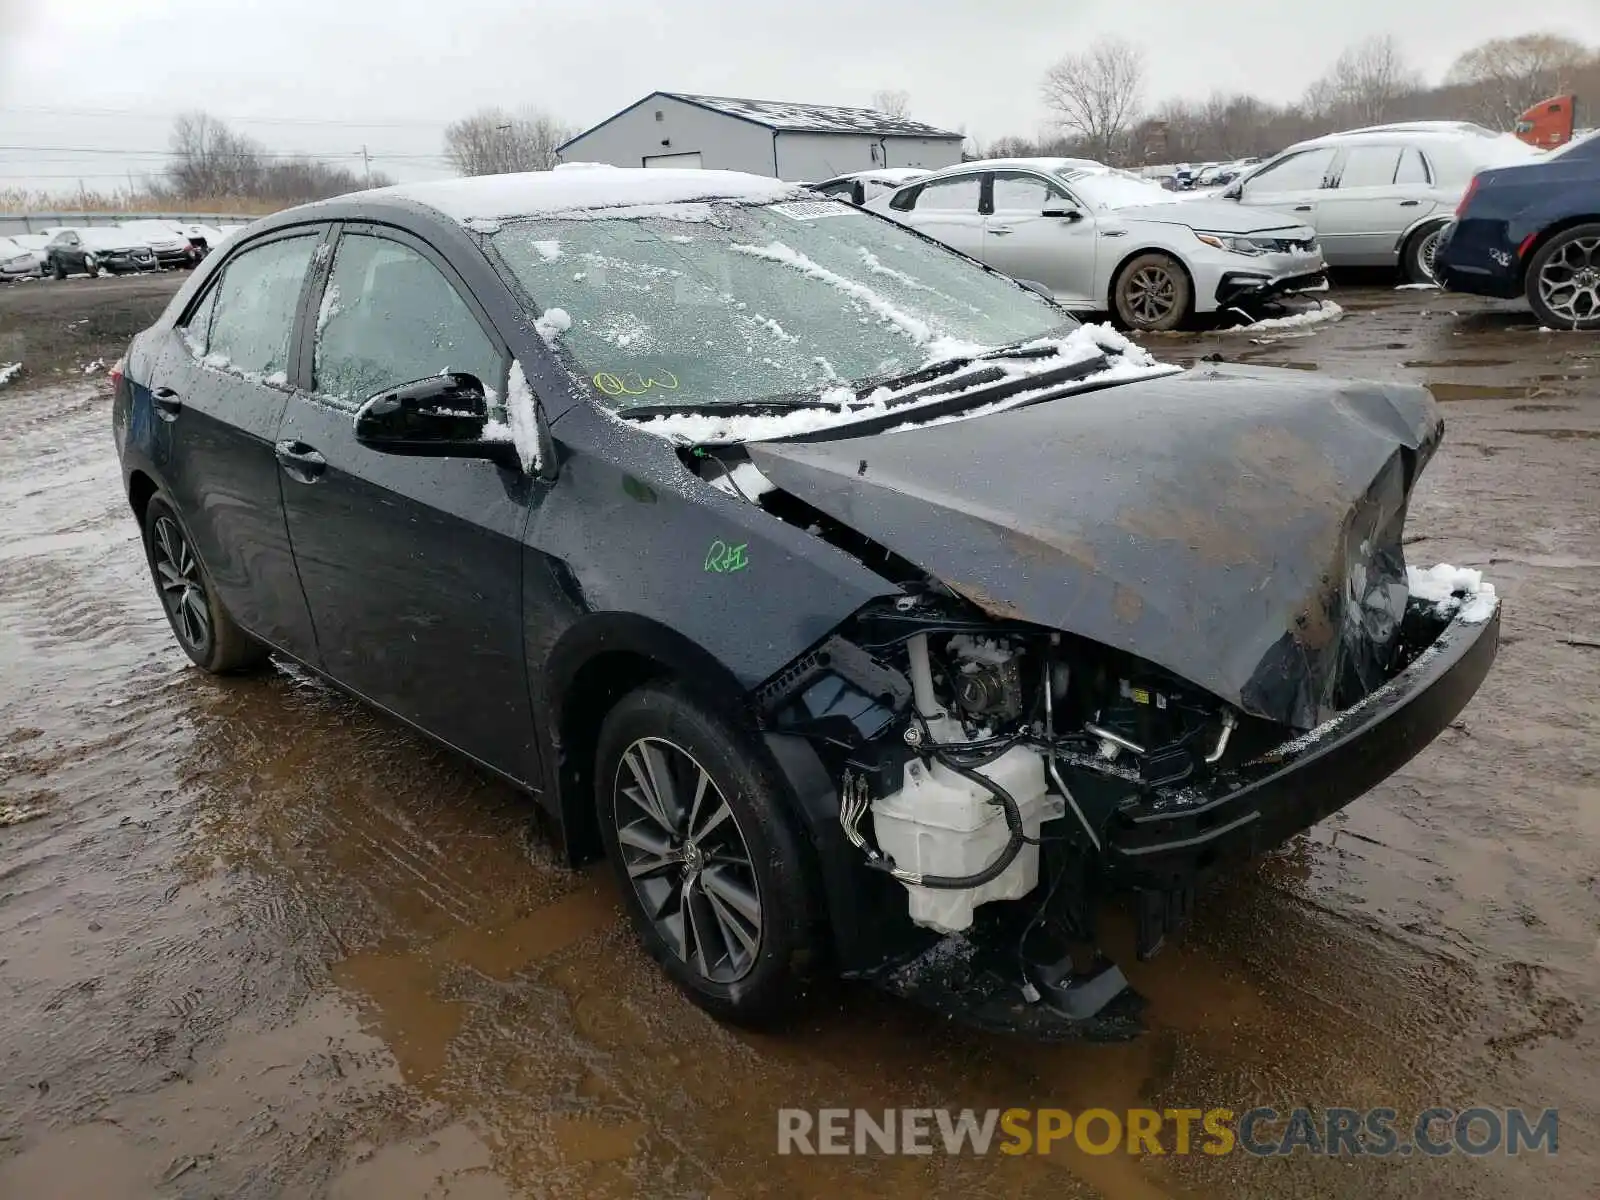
135 114
89 150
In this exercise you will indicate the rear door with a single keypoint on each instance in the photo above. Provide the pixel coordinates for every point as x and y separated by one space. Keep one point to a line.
1294 185
412 566
948 210
218 390
1361 219
1021 241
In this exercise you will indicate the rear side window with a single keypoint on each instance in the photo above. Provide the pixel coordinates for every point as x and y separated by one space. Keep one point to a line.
1412 167
1015 192
252 315
389 316
1298 173
1369 166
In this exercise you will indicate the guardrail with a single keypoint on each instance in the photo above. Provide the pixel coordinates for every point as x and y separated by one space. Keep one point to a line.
33 222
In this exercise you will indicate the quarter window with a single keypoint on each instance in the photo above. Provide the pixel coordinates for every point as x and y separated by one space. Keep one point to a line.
389 316
197 329
252 315
950 195
1369 166
1412 167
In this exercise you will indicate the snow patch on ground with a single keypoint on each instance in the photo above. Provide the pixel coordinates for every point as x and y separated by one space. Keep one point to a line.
552 323
8 372
746 481
97 365
1460 591
1327 311
1417 287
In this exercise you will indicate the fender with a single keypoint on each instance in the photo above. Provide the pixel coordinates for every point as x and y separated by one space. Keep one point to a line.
1433 218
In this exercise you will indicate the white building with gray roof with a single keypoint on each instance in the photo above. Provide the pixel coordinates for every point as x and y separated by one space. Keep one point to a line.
798 142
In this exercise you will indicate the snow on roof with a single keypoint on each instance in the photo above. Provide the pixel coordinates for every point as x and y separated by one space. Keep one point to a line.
546 193
814 118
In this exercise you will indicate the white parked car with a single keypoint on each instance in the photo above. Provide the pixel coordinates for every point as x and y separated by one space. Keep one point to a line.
17 261
1380 196
861 186
34 244
167 238
1100 239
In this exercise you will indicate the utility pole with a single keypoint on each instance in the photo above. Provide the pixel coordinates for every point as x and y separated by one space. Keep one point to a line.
366 163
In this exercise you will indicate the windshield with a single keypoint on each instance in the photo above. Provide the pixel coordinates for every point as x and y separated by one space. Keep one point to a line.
1113 189
716 304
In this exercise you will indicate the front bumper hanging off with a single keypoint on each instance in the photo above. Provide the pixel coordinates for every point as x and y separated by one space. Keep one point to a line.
1169 840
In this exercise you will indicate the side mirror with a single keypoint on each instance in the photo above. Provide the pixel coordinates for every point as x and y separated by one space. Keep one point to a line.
1236 192
1066 214
444 416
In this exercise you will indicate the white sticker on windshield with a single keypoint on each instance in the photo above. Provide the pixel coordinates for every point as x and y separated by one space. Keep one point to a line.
812 210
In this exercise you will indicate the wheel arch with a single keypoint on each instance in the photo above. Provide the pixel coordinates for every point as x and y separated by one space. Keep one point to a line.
1164 251
1546 235
1416 229
594 664
141 488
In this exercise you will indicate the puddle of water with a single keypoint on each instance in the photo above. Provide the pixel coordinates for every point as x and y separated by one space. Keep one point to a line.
1560 435
1543 408
1450 364
1448 392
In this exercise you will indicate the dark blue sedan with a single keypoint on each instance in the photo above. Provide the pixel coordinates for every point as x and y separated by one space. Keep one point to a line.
1532 230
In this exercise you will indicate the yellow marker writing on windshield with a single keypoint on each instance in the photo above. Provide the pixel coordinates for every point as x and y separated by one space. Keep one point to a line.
634 383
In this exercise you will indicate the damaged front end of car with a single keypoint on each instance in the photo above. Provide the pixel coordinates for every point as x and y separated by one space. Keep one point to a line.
1135 642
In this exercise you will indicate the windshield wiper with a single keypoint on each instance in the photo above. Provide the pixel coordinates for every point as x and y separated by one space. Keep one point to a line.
1022 348
762 406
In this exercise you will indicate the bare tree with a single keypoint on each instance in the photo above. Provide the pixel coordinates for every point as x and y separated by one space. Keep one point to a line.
1097 94
493 141
209 159
1364 83
1507 76
892 104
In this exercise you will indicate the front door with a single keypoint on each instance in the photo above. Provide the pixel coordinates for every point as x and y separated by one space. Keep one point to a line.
1295 186
1021 241
412 566
947 210
219 388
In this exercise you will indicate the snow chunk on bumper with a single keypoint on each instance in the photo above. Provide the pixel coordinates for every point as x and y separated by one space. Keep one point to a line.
1454 591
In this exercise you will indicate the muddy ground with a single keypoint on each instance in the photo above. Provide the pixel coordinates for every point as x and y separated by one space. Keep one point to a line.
256 941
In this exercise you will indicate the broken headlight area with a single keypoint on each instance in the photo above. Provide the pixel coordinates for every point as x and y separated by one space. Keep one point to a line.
1010 778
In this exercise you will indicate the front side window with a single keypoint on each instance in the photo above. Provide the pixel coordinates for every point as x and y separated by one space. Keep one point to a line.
1019 193
1369 166
951 195
1298 173
735 303
389 316
252 321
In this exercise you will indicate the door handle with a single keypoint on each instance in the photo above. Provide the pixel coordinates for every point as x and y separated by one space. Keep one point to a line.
1000 232
300 462
1409 203
1302 208
168 404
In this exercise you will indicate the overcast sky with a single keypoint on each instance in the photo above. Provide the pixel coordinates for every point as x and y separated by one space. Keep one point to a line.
327 77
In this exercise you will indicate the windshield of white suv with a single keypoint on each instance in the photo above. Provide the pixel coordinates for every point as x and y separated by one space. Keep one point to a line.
718 304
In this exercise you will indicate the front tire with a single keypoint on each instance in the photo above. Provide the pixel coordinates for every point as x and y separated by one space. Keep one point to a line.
91 266
711 870
1420 250
57 268
1152 293
205 631
1563 282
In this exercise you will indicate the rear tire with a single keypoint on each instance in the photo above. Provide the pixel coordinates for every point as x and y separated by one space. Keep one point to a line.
1563 281
1416 258
205 631
57 269
711 870
1152 293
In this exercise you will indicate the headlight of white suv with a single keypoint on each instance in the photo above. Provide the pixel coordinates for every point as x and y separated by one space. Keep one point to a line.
1234 245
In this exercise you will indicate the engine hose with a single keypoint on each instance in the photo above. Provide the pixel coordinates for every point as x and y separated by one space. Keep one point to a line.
1003 860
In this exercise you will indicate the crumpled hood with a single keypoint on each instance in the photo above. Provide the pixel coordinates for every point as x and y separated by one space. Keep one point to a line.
1239 527
1213 216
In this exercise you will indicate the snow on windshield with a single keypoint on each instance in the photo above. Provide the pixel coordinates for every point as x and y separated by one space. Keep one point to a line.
743 303
1111 189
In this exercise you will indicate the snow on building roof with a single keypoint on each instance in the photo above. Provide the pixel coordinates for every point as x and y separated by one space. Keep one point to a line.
814 118
546 193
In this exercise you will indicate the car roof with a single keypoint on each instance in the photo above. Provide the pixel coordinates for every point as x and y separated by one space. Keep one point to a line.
577 188
1454 132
